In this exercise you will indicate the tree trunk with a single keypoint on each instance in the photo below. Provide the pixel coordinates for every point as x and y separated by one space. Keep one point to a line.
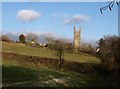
60 62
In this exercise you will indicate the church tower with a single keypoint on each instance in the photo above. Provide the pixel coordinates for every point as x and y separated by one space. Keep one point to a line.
77 37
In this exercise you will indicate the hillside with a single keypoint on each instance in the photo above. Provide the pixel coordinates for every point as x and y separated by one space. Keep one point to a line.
17 74
45 53
24 73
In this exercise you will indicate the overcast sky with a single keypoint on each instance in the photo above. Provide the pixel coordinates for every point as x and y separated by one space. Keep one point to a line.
58 19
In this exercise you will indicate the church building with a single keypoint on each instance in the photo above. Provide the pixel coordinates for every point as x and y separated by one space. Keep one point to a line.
77 38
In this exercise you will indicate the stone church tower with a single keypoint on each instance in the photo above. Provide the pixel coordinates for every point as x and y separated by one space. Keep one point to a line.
76 38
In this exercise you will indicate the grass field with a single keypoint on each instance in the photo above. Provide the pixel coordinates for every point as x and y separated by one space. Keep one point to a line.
27 75
45 52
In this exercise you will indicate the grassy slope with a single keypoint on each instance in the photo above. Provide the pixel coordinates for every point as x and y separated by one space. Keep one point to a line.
45 52
25 74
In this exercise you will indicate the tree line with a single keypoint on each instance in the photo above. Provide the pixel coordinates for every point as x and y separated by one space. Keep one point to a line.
22 38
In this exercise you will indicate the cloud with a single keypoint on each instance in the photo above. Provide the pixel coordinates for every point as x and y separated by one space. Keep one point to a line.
76 19
41 35
27 15
72 19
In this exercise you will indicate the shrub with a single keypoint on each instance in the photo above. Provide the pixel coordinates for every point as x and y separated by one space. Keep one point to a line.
5 38
86 48
109 55
69 47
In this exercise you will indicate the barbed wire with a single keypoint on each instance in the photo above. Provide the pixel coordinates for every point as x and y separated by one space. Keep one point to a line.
109 6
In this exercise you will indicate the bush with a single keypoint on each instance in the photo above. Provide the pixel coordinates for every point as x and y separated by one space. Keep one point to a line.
5 38
69 47
110 56
108 53
86 48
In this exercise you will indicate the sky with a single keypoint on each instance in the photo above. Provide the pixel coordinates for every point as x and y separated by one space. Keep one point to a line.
0 18
59 18
56 0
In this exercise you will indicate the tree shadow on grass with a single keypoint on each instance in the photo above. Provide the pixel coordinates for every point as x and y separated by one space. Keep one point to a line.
20 76
90 80
27 77
99 81
12 75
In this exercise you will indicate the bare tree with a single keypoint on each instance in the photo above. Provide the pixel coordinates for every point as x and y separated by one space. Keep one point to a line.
49 39
59 47
31 37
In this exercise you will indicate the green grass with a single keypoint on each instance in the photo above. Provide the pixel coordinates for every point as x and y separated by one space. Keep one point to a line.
26 74
17 73
45 52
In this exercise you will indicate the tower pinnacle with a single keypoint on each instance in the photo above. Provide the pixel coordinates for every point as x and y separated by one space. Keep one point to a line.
77 38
